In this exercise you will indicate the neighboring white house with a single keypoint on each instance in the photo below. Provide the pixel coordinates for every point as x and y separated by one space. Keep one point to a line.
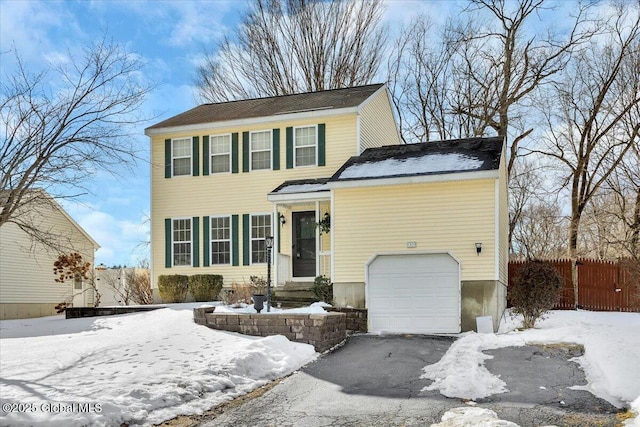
27 283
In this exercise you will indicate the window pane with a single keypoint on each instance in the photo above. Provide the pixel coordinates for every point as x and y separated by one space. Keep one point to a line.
306 156
305 136
220 163
261 141
220 144
261 160
182 254
220 253
182 147
260 228
181 166
258 251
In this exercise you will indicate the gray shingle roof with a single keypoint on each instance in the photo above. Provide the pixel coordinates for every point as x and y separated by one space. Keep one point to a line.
264 107
439 157
312 185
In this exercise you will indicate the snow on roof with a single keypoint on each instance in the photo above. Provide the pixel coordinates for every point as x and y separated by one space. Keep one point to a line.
427 163
438 157
303 188
313 185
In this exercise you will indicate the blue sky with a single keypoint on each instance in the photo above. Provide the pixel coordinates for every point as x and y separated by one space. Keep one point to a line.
171 37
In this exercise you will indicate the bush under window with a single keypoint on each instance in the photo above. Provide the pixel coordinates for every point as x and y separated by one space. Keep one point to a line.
205 287
173 288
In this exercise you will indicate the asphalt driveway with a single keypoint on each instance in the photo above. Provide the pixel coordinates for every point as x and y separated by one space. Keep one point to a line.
375 381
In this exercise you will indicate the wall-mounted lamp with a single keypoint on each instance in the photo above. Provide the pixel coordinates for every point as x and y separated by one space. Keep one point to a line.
478 248
283 220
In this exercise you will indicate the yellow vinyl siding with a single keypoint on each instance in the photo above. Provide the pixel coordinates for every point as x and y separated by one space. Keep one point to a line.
26 273
503 207
377 123
236 194
450 216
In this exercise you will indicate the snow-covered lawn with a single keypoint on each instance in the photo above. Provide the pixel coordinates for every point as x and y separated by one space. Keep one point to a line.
148 367
137 368
611 360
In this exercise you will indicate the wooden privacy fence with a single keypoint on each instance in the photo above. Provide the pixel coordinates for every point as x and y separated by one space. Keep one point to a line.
602 285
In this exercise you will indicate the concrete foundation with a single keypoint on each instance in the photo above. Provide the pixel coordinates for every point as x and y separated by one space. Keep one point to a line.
26 310
482 298
349 294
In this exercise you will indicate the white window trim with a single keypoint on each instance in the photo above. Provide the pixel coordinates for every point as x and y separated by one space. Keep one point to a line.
295 148
211 240
251 239
251 151
173 242
182 157
211 155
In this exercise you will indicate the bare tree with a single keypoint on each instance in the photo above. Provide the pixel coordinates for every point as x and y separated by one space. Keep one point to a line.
61 125
139 283
291 46
476 77
590 115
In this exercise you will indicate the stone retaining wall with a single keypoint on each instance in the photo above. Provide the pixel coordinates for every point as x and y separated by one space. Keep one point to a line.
322 331
77 312
356 318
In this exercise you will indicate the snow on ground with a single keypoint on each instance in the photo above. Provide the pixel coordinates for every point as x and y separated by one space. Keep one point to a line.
137 368
611 360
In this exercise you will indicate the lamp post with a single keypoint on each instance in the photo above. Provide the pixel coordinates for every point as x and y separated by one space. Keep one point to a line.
269 243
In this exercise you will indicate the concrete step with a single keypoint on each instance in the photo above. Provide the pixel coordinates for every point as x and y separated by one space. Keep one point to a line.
287 293
297 286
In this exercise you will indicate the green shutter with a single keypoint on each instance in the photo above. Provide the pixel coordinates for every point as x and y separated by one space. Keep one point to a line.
245 152
234 241
195 241
276 149
167 158
205 244
196 155
205 155
321 145
246 241
234 152
289 148
167 243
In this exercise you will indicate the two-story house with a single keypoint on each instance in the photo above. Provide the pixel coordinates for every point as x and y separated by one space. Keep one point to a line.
399 223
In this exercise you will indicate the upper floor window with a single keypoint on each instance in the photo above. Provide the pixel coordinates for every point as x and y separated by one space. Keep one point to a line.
220 240
260 150
181 156
260 228
181 241
305 146
220 148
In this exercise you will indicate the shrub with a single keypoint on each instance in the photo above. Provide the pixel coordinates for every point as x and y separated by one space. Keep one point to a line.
534 291
236 294
323 289
205 287
173 288
258 285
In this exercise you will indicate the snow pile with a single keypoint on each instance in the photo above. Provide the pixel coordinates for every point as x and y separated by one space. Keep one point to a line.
139 368
476 417
461 372
428 163
610 361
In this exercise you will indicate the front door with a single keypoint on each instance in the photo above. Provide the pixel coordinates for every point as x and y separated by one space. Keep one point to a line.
304 244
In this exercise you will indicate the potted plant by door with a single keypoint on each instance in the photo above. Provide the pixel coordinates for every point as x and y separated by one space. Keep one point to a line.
258 287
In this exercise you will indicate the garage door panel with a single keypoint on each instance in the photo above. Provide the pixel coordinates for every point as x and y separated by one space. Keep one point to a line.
414 293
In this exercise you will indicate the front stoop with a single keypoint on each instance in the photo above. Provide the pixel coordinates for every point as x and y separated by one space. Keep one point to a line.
294 294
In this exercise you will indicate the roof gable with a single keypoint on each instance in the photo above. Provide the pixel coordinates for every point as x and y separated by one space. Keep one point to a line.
430 158
272 106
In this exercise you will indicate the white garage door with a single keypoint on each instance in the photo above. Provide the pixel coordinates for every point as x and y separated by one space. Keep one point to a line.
414 293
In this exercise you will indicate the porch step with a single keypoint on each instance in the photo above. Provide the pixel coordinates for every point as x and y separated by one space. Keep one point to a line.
297 286
294 298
